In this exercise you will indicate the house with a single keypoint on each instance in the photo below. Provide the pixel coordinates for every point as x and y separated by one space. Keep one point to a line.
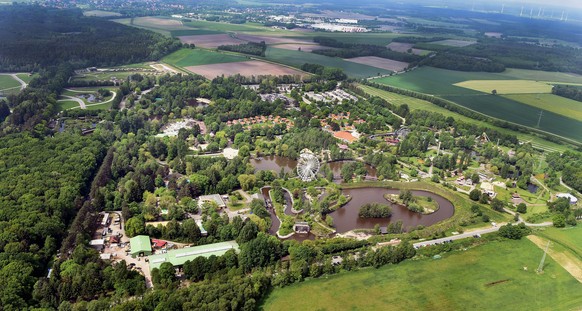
571 198
345 136
159 243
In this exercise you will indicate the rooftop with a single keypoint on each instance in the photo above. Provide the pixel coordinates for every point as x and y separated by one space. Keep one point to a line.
214 198
179 256
140 244
345 136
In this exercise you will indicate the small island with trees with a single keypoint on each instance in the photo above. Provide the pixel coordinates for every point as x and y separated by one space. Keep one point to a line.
415 203
375 210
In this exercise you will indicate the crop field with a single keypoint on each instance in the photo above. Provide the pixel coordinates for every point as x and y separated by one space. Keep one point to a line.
440 82
536 75
100 13
305 47
211 41
189 57
556 104
379 62
454 43
415 103
249 68
507 86
404 47
298 58
499 275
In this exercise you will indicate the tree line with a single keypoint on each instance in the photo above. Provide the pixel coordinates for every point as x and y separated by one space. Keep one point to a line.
252 48
350 50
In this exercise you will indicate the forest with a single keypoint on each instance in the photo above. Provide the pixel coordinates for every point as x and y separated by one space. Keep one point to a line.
29 31
568 91
350 50
251 48
452 61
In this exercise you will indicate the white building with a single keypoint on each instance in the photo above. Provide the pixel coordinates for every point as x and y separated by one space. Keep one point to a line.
571 198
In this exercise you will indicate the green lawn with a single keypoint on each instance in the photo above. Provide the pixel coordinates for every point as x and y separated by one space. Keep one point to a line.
67 104
298 58
26 77
7 82
556 104
414 103
488 277
570 237
189 57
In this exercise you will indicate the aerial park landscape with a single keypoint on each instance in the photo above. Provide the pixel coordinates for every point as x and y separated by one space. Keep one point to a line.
276 155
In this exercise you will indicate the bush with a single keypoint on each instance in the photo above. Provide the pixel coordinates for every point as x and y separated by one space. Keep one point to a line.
475 194
521 208
375 210
514 232
559 221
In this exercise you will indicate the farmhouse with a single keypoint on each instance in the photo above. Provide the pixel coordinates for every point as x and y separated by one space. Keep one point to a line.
140 246
179 256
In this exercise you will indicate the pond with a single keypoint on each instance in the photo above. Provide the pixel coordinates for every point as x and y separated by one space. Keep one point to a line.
346 218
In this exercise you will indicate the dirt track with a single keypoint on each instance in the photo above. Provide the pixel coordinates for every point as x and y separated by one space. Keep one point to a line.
249 68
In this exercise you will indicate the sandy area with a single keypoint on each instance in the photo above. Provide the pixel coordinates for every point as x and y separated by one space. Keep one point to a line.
210 41
249 68
403 48
566 259
379 62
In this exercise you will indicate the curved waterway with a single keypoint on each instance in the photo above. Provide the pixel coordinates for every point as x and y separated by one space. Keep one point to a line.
346 218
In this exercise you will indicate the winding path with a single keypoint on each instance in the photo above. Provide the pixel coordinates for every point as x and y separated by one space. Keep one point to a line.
78 100
82 104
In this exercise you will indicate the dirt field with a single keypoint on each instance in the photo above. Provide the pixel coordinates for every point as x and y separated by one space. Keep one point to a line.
403 48
566 259
250 68
493 34
210 41
455 43
379 62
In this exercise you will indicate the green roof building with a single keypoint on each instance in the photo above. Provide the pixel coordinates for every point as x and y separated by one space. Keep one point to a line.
179 256
140 246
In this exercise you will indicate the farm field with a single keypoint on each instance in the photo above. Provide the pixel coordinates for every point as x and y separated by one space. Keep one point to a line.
404 47
211 41
298 58
454 43
488 277
556 104
190 57
379 62
415 103
440 82
100 13
570 237
506 86
306 47
248 68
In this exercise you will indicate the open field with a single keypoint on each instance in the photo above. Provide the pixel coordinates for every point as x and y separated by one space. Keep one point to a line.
100 13
26 77
537 75
189 57
440 82
415 103
488 277
454 43
404 47
568 260
67 104
507 86
157 22
570 237
304 47
556 104
380 62
211 41
298 58
249 68
273 40
7 82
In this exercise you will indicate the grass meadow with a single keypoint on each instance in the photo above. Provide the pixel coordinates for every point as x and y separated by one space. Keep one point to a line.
487 277
507 86
7 82
188 57
556 104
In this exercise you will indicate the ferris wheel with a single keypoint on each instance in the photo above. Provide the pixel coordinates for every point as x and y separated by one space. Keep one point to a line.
307 165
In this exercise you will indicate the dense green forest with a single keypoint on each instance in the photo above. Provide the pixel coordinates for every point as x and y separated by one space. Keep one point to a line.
35 37
251 48
568 91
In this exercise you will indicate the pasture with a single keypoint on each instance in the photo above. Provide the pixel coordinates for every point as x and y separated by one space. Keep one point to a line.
506 86
298 58
404 47
248 68
380 62
190 57
570 237
415 103
487 277
556 104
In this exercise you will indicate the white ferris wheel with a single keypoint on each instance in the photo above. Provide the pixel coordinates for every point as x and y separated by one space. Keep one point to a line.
307 165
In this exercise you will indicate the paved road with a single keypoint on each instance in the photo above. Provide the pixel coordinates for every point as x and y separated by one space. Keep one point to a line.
78 100
23 84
